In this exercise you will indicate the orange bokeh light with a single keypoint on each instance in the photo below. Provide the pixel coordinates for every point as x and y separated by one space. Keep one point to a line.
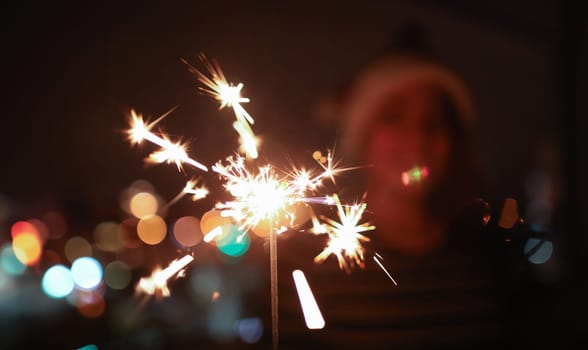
213 223
152 229
143 204
27 248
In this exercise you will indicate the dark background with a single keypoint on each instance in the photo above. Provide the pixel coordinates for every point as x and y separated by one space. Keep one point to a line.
71 72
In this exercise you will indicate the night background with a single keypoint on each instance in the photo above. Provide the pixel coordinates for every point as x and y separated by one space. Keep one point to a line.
72 72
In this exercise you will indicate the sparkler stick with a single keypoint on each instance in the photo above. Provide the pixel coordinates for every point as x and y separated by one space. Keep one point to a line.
274 286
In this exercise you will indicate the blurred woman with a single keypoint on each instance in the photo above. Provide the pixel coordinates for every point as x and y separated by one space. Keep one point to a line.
408 119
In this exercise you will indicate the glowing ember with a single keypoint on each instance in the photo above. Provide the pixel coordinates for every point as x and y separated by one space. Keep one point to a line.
228 95
192 187
197 192
156 284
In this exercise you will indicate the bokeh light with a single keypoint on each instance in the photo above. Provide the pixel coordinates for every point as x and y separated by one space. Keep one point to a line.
213 225
88 347
10 264
57 282
509 215
86 272
117 275
27 247
107 237
21 227
143 204
250 329
77 247
151 229
538 251
211 220
90 304
234 243
187 231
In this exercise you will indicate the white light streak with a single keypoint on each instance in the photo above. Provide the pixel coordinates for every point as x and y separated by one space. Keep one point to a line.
312 314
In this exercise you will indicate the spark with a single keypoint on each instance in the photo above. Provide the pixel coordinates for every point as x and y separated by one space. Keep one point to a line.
312 314
197 192
229 95
268 194
377 258
156 284
170 152
191 187
257 197
329 165
345 238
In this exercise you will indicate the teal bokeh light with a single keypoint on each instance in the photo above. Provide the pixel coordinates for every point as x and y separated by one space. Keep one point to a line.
57 282
86 272
234 243
88 347
9 262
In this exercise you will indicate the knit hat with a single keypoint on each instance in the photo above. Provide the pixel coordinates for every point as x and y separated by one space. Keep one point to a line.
387 76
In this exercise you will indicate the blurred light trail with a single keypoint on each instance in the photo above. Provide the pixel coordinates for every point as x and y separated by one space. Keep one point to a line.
312 314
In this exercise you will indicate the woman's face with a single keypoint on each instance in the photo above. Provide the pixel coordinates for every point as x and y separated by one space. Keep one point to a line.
408 132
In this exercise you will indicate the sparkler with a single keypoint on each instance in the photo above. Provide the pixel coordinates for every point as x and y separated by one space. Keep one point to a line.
262 196
156 284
